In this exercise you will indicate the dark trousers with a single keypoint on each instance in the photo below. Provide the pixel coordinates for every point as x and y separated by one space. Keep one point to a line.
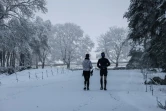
86 78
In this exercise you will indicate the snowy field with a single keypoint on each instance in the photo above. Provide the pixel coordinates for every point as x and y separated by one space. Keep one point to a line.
62 90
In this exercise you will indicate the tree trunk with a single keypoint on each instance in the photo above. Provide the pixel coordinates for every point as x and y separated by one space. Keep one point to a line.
22 59
7 58
68 65
3 58
36 62
117 64
29 60
43 63
13 59
117 61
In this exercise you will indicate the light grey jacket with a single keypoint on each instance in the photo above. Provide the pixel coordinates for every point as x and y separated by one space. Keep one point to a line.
87 65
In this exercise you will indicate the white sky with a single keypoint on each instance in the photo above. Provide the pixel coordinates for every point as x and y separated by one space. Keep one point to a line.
94 16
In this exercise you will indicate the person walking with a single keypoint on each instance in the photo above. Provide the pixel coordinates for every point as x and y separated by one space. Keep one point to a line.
87 66
102 64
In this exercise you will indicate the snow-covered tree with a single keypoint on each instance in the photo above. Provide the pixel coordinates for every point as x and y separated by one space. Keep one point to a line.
15 40
4 37
20 8
39 44
115 44
17 30
69 44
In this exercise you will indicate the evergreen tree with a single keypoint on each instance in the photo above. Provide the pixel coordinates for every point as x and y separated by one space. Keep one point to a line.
147 26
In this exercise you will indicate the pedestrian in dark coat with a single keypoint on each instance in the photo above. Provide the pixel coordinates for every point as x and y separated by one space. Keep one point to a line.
102 64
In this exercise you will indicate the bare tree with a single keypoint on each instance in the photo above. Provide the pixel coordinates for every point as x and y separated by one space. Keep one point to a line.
67 44
85 46
115 44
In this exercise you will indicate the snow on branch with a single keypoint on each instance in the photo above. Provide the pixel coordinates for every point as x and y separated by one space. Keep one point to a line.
160 105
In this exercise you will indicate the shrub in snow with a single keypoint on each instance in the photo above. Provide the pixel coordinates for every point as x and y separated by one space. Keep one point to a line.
156 81
164 81
3 70
119 68
164 70
10 70
148 81
152 70
21 68
29 67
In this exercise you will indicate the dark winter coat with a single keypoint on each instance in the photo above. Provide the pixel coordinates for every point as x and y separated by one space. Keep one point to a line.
103 63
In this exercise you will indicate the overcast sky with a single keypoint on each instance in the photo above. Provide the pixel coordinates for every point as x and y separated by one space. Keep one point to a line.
94 16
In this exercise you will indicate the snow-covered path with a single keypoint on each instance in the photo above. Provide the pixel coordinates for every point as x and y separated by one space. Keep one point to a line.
64 92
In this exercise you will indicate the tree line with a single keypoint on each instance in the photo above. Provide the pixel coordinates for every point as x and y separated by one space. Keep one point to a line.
16 30
26 39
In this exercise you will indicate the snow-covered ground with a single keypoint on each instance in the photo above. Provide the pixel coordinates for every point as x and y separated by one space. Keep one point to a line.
62 90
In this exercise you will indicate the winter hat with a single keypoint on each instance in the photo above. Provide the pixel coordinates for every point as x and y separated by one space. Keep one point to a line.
87 56
102 54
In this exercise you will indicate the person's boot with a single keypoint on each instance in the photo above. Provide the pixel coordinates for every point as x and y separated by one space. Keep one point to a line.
105 83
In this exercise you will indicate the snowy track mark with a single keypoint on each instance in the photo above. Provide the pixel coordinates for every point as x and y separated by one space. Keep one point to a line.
86 103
